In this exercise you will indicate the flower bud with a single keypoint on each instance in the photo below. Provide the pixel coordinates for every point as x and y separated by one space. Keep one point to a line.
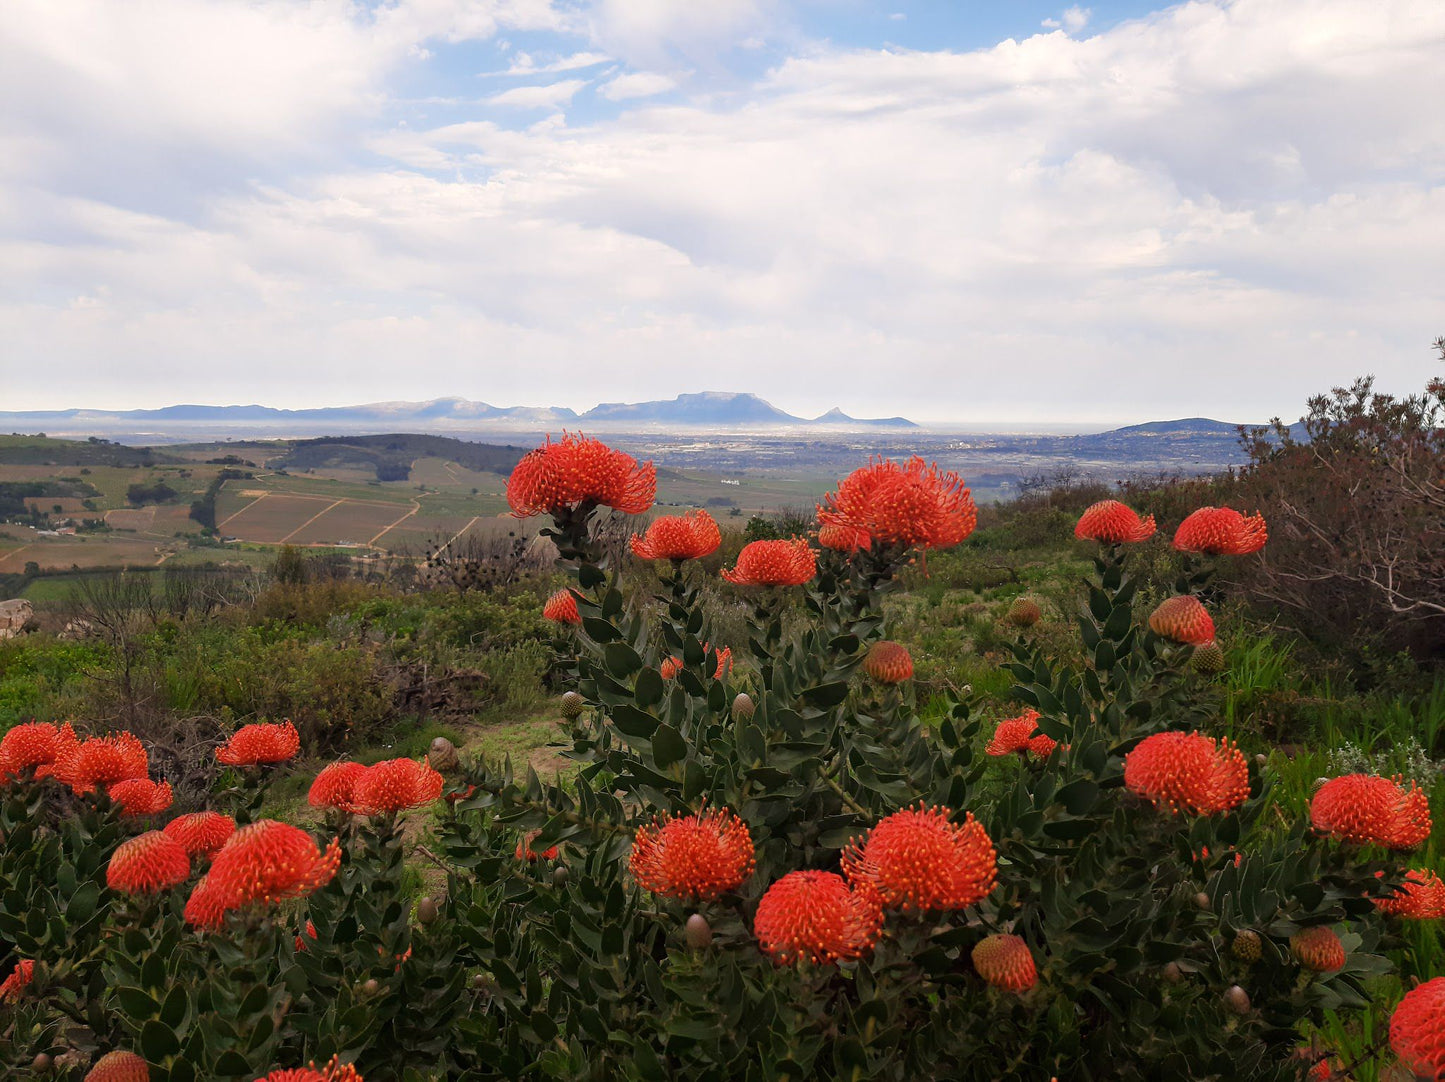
698 932
743 706
1237 999
572 705
442 755
371 987
1201 900
1173 974
426 911
40 1064
560 875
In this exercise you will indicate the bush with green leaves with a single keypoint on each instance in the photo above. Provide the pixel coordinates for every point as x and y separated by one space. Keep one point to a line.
1158 941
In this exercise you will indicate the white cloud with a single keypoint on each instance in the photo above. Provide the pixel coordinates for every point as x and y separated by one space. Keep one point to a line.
657 33
545 96
1217 209
636 84
526 64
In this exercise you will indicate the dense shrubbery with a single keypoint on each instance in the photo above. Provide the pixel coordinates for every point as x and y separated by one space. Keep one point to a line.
1122 900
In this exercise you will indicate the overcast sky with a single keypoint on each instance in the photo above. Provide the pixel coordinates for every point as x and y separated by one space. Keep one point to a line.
996 210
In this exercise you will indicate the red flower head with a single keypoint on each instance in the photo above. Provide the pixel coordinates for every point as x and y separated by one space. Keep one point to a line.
264 862
1182 619
335 786
1318 948
561 608
1417 1029
526 852
1021 734
695 857
670 667
34 744
1420 897
888 662
1188 772
260 743
1221 531
147 864
1005 962
12 986
815 916
1364 808
1111 523
774 563
334 1071
916 859
915 505
724 661
678 537
102 760
841 537
141 796
119 1067
201 833
396 784
562 476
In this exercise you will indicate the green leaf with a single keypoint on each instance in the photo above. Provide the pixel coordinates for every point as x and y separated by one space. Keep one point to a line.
137 1003
648 689
600 630
668 746
1079 795
825 696
157 1041
589 576
621 659
632 721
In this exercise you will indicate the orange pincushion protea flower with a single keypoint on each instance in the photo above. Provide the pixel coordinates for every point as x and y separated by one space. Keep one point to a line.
260 743
915 505
147 864
34 744
724 661
694 857
678 537
561 608
773 563
1005 962
1417 1029
264 862
141 796
559 477
201 833
1365 808
1318 948
15 983
841 537
816 916
916 859
1021 734
1111 523
526 852
1420 897
670 667
334 1071
102 760
396 784
335 786
1182 619
1188 772
888 662
119 1067
1221 531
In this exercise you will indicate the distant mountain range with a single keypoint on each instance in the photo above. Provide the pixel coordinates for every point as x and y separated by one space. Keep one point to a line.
706 410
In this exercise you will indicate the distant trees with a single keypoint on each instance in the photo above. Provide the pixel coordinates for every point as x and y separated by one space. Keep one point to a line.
1356 514
158 492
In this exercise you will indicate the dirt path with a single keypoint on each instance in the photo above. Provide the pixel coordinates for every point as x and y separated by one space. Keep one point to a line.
459 533
309 521
415 507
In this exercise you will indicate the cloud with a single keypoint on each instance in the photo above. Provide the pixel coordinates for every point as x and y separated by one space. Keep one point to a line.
659 33
637 84
1203 211
545 96
1071 21
526 64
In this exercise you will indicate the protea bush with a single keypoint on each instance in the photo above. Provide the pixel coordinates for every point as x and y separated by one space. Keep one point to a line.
767 869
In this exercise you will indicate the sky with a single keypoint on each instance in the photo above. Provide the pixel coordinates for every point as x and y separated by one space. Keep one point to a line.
972 211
